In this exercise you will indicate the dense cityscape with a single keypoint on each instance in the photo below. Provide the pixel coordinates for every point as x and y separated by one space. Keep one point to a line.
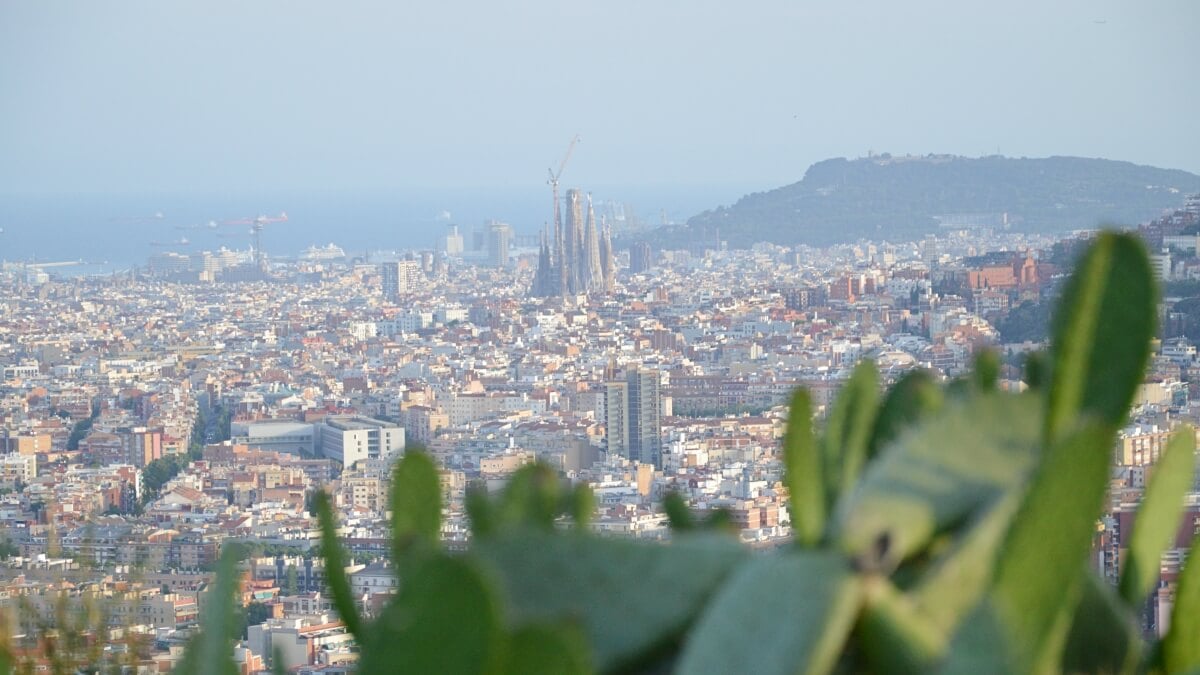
149 418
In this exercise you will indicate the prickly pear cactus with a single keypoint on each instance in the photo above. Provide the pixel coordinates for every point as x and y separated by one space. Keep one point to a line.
937 528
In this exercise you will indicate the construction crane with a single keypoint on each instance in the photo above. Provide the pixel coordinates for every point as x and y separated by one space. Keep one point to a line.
554 182
257 224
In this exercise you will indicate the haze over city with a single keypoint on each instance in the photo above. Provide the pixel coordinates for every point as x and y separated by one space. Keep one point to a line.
232 96
566 337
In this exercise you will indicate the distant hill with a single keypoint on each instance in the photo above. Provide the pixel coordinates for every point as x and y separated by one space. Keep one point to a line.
903 198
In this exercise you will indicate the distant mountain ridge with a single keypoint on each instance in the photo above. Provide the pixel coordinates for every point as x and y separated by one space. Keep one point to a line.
902 198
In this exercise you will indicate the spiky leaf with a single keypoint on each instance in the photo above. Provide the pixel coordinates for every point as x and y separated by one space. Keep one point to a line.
479 511
1159 515
803 472
986 372
912 397
954 464
980 646
547 648
1103 637
679 517
445 620
532 498
789 613
1181 646
848 431
212 650
335 568
630 598
894 632
1101 335
1037 580
581 504
1037 370
957 579
720 520
416 501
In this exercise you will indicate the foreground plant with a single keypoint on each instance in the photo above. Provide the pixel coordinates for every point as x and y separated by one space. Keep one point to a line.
944 528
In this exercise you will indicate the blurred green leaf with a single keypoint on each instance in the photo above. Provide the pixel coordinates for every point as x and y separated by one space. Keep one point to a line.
960 388
784 613
581 504
914 396
1181 646
1103 637
848 431
212 650
803 472
1101 335
678 515
985 374
720 520
1037 370
1152 658
444 620
1159 516
957 579
953 464
547 648
980 646
1037 580
335 568
479 511
416 502
895 635
532 498
630 598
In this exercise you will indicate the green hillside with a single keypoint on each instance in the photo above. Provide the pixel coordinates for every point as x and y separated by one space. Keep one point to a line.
903 198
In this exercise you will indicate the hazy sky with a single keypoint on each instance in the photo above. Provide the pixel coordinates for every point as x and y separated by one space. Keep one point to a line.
250 94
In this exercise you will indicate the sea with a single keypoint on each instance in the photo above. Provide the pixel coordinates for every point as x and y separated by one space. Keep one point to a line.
108 233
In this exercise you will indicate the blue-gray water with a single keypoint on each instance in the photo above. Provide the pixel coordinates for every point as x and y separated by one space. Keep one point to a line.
112 231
